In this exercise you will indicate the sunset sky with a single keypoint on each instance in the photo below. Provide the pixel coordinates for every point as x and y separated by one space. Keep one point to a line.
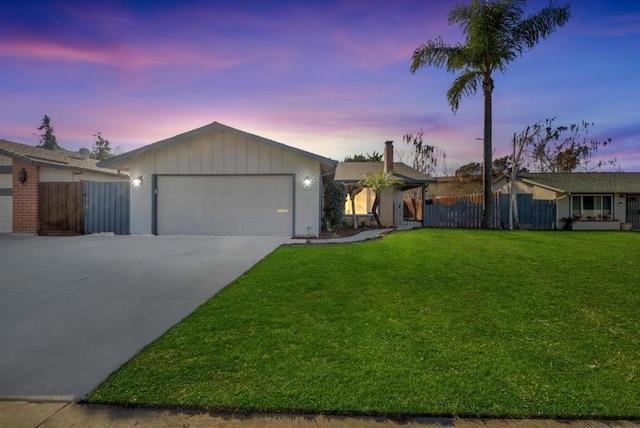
329 77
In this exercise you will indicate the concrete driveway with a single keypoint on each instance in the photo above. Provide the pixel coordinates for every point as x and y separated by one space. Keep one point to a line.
74 309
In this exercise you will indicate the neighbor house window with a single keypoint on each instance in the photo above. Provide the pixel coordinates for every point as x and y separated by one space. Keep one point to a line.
364 202
591 207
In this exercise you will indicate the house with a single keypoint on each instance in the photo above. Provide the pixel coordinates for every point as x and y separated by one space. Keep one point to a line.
24 169
392 200
594 200
217 180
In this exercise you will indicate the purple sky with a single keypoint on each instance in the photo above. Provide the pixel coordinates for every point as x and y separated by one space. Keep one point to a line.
330 77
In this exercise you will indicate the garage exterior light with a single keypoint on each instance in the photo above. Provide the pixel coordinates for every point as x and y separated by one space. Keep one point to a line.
306 183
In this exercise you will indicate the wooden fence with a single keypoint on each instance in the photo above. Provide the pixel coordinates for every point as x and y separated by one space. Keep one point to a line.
83 208
532 213
466 212
61 208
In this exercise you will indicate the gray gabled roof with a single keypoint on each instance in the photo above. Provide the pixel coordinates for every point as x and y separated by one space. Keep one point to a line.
586 182
215 126
352 172
61 159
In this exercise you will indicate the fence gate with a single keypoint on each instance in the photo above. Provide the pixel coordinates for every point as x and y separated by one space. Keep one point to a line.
532 213
106 207
61 209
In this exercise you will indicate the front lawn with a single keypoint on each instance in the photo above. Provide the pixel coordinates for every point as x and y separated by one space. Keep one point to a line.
428 322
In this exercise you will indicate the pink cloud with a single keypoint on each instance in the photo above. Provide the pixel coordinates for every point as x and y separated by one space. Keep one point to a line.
119 56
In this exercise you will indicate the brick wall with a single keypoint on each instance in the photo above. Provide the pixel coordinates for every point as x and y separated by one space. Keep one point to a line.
25 199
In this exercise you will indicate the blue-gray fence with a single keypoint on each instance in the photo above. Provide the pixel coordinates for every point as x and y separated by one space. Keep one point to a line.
106 207
466 212
532 213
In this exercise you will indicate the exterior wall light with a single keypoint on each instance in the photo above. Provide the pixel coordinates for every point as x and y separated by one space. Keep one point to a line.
137 181
306 183
22 176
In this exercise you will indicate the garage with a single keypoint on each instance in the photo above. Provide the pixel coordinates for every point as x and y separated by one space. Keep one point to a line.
218 180
257 205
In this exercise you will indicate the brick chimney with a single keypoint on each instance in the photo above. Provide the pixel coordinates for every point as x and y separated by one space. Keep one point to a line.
388 156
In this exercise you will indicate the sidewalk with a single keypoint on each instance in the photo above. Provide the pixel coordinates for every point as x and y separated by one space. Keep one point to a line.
21 414
362 236
365 235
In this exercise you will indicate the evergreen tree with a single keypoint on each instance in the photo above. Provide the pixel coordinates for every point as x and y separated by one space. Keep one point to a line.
47 139
101 149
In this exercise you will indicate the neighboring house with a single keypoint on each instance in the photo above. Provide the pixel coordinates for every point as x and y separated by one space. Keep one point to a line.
392 203
217 180
596 200
23 168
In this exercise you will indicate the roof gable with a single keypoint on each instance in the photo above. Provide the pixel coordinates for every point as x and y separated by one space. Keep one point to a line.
352 172
214 126
62 159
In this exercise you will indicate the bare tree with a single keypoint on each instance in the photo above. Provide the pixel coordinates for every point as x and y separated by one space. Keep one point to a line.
423 157
566 148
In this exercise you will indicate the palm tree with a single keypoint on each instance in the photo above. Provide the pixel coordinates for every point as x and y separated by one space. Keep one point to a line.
495 35
378 181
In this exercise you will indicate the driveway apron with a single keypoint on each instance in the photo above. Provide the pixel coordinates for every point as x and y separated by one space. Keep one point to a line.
74 309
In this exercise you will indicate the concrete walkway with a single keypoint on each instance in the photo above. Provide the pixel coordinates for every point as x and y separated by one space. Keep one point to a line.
362 236
21 414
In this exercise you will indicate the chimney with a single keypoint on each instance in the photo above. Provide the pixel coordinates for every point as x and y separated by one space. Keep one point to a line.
388 156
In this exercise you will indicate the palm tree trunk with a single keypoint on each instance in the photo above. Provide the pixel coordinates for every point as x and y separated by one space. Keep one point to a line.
374 209
487 213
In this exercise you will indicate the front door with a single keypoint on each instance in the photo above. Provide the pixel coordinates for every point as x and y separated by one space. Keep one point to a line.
633 210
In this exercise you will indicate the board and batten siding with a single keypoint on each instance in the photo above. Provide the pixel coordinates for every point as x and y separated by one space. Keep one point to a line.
66 175
225 153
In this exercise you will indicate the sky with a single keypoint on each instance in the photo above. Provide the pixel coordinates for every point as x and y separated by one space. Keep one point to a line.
328 77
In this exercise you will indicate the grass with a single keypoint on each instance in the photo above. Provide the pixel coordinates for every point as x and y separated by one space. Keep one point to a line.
428 322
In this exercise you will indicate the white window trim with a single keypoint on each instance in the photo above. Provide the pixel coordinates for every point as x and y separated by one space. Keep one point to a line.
581 208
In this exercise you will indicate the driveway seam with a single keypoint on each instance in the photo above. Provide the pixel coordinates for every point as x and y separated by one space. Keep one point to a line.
52 415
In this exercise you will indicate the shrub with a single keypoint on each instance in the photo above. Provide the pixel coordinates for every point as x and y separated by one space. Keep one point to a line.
333 207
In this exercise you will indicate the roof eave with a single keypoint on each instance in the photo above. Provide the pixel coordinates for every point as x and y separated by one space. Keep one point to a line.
546 186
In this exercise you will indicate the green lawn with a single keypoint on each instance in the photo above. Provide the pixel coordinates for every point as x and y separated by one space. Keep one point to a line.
428 322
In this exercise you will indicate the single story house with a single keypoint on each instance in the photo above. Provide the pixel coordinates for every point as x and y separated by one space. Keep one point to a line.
23 168
217 180
594 200
392 200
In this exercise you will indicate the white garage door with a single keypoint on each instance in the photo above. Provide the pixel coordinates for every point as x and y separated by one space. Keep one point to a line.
225 205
